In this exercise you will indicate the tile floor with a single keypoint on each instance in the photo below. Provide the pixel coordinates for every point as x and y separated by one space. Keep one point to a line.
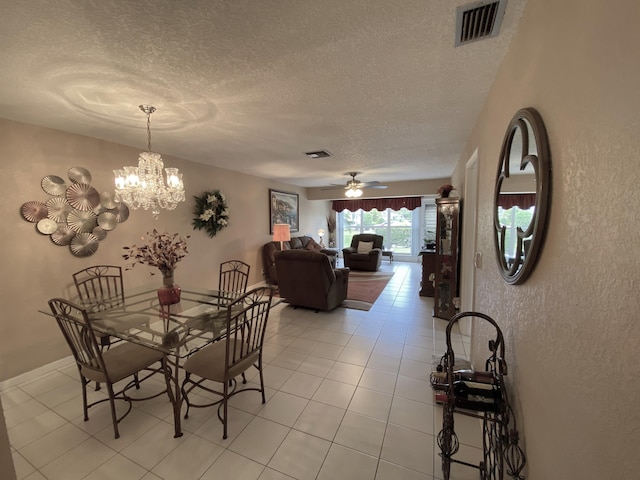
348 397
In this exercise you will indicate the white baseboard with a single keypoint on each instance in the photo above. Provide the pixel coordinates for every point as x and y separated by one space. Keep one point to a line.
37 373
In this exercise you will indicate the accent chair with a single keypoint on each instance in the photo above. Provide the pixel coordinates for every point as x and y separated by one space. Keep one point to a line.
365 252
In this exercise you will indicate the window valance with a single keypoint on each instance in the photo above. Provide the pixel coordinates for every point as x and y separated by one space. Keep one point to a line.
380 204
524 201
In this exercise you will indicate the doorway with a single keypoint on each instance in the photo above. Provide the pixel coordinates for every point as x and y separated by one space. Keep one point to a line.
469 232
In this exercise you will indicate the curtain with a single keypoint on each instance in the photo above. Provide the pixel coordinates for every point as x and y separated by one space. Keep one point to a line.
524 201
380 204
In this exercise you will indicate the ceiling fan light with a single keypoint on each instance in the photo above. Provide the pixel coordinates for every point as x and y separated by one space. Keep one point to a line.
352 192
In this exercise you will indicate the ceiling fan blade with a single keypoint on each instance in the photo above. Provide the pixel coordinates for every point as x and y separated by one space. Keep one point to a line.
353 183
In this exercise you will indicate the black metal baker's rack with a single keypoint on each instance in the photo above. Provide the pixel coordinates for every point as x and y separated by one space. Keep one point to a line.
500 434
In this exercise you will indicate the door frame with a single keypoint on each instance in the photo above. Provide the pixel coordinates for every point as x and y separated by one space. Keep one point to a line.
469 238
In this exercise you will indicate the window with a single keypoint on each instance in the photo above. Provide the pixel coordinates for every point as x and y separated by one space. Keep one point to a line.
400 228
429 224
512 219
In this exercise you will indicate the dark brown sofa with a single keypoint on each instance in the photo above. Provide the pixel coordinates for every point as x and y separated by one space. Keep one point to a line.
296 243
307 279
364 261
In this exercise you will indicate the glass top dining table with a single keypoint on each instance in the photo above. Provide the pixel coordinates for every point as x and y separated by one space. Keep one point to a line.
176 330
196 320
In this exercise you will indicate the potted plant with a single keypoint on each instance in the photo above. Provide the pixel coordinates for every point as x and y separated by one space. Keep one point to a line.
331 226
445 190
429 240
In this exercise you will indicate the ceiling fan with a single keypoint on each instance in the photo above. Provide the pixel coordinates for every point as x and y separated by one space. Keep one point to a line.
354 187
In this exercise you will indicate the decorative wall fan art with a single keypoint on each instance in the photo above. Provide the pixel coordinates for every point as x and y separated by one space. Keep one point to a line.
107 220
47 226
82 222
75 215
34 211
53 185
63 235
58 209
82 196
84 244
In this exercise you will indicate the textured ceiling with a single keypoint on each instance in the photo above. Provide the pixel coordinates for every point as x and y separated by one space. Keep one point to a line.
250 85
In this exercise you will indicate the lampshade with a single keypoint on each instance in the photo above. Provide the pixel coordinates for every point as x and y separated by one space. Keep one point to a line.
281 233
321 235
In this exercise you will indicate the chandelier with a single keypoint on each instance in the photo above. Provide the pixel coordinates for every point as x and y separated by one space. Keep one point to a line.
145 186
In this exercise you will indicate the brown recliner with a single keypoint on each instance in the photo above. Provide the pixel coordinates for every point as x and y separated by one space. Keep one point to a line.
304 242
364 261
307 279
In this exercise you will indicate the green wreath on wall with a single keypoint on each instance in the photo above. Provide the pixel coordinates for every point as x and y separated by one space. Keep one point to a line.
211 212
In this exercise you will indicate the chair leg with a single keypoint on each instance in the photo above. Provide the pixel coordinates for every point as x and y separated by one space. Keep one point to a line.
183 392
84 382
224 410
112 404
264 400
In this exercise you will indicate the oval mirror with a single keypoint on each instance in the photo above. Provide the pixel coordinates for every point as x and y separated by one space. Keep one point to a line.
521 198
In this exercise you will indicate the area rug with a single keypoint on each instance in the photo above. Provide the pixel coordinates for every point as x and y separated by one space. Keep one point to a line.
364 288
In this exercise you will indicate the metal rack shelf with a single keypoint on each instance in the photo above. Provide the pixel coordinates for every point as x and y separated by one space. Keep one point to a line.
500 434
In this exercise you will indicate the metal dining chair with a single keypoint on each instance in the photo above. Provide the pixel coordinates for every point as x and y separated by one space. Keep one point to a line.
108 367
100 288
233 278
215 367
232 281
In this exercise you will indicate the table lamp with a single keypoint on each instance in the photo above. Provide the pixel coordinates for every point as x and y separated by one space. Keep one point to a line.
321 234
281 234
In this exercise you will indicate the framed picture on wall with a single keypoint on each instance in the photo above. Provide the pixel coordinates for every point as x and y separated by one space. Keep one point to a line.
284 208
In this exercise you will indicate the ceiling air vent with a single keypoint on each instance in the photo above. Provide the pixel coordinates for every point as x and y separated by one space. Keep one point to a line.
318 154
478 20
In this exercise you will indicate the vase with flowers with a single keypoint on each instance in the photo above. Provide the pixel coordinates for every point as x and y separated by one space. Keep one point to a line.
163 251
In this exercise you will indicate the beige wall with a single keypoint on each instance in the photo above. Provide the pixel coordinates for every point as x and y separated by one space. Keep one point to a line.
35 269
573 329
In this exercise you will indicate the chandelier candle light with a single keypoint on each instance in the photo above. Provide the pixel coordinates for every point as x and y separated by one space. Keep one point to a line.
145 186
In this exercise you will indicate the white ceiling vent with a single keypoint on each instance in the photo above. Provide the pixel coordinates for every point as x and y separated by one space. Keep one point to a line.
478 20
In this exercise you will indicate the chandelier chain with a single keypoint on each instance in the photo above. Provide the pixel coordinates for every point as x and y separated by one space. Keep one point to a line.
149 131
